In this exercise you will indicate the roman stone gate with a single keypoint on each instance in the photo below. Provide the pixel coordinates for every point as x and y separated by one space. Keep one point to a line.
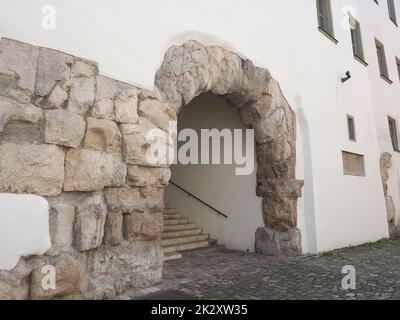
78 139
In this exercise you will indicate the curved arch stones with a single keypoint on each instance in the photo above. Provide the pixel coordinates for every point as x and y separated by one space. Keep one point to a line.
192 69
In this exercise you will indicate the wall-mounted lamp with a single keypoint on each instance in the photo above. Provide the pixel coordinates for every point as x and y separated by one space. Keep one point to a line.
347 77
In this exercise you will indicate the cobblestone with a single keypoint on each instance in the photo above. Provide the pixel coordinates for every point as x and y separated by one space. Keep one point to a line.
235 275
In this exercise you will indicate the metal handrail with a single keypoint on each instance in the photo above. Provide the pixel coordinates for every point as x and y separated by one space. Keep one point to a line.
198 199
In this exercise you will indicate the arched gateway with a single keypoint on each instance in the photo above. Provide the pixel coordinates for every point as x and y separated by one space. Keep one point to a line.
78 139
192 69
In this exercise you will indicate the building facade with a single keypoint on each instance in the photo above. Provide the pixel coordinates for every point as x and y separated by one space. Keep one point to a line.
319 81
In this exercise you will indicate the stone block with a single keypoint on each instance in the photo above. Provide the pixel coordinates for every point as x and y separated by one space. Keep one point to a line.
113 230
143 225
275 243
62 217
103 135
90 170
81 95
18 64
37 169
90 220
64 128
54 72
142 176
68 272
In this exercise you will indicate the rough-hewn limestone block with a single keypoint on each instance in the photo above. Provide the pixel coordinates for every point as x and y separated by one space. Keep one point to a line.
64 128
53 77
90 221
124 200
62 217
68 272
141 176
139 141
90 170
279 203
128 265
104 104
15 284
115 101
274 243
103 135
81 96
126 109
143 225
82 68
385 166
18 63
128 200
37 169
12 111
159 114
113 230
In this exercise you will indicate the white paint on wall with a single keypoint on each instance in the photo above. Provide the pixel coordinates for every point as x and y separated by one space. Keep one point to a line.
217 185
129 39
24 228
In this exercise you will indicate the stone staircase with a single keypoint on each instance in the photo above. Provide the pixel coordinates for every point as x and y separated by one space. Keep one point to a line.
180 235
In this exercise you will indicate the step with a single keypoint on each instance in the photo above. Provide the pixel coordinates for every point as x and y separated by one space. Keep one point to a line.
186 246
185 239
170 211
173 222
178 227
172 256
173 216
181 233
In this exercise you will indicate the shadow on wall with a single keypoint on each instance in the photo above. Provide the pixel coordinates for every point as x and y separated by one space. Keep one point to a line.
309 208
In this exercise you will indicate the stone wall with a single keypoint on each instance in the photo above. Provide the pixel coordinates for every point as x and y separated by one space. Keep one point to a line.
77 138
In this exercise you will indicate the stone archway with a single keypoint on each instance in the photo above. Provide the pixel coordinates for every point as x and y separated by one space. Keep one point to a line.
192 69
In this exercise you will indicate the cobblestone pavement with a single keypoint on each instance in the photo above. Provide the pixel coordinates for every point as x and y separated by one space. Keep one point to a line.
235 275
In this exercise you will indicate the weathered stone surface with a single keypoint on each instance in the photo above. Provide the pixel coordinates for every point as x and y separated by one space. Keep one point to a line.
126 109
141 140
37 169
104 104
141 176
103 135
84 68
115 101
18 63
143 225
274 243
12 111
157 113
129 265
91 218
15 284
62 217
69 274
90 170
124 200
128 200
64 128
81 96
54 72
113 230
385 166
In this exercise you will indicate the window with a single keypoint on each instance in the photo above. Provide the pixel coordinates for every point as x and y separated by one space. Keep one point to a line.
351 128
392 11
325 16
356 39
383 69
393 134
